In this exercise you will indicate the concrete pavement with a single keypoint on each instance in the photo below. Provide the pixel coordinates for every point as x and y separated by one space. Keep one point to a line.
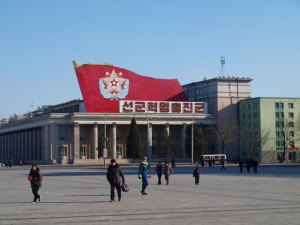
77 195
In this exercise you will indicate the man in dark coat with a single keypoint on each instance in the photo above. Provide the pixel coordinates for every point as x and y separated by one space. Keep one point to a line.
159 171
115 176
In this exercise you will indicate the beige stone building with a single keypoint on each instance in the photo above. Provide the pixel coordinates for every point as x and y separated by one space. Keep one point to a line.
65 133
222 95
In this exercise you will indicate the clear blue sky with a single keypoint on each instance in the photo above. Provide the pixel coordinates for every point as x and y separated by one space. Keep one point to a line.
159 38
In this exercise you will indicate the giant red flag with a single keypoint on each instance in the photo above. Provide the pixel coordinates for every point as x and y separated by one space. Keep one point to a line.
103 86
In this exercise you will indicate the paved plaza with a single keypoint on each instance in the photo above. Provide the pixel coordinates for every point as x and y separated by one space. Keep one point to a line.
80 195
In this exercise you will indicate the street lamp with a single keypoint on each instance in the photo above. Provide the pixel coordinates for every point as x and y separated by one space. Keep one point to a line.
192 142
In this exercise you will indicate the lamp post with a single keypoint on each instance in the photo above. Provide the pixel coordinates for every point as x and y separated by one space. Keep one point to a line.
192 142
104 139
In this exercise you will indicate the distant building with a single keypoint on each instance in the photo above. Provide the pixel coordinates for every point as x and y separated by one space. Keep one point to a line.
270 129
222 95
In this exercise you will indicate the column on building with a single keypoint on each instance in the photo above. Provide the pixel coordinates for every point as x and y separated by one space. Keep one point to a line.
149 144
34 155
45 141
76 143
1 148
18 145
38 143
168 129
7 146
22 145
13 145
29 144
113 135
52 142
94 149
183 138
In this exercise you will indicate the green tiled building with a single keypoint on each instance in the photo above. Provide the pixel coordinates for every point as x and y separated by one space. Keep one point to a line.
270 129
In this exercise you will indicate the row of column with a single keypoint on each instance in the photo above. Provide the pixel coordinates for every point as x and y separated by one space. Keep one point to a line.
23 144
113 138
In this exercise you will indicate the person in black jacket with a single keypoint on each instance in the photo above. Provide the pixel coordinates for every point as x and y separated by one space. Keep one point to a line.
196 174
114 176
159 170
35 179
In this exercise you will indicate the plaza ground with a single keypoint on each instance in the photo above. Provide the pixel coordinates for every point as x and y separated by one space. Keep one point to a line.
80 195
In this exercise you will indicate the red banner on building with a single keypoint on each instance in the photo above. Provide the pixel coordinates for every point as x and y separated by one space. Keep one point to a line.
103 86
161 107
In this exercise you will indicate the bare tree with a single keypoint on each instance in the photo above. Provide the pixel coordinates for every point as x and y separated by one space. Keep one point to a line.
226 132
254 141
286 129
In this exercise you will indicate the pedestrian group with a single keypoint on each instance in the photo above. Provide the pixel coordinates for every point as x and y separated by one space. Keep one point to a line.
116 178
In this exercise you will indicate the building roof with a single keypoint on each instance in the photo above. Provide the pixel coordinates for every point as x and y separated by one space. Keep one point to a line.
221 78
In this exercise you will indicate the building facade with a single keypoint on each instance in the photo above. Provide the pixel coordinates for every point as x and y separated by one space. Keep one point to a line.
86 131
222 95
269 129
78 137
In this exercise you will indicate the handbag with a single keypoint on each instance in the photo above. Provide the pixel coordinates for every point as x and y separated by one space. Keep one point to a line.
125 187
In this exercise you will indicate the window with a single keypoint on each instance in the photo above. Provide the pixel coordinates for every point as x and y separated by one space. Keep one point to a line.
282 114
255 115
277 114
279 105
254 105
82 152
291 105
62 151
249 106
291 134
249 116
277 143
278 133
291 115
279 124
62 132
291 124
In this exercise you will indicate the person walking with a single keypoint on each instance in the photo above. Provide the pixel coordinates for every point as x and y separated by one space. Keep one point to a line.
248 165
173 163
241 165
255 165
159 172
35 179
223 164
196 174
115 176
142 174
167 172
